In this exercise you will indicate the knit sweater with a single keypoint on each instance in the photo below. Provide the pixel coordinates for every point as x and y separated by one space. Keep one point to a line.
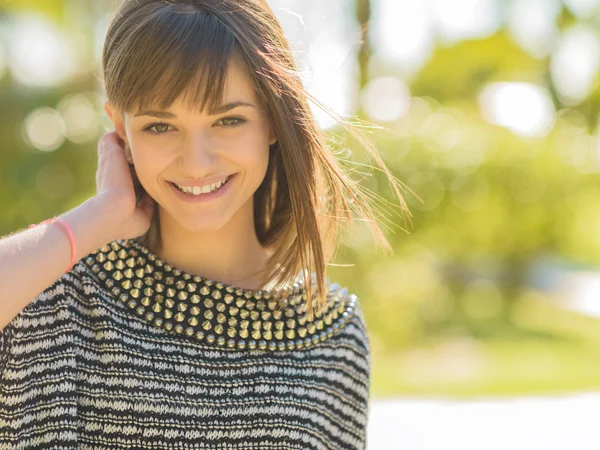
126 351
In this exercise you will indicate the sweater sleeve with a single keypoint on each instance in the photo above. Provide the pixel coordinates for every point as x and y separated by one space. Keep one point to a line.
43 311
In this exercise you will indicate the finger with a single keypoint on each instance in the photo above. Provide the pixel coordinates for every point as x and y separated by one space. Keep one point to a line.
105 140
110 142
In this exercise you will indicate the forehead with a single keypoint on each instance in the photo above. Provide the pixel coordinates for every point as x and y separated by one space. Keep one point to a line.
238 81
237 87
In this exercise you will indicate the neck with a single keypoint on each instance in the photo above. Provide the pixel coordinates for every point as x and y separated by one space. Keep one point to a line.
231 254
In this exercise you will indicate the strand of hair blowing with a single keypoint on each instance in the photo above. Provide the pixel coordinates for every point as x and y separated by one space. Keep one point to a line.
312 183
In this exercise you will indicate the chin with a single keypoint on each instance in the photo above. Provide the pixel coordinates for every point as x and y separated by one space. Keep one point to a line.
205 224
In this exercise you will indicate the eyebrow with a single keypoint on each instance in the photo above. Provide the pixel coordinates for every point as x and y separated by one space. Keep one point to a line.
220 110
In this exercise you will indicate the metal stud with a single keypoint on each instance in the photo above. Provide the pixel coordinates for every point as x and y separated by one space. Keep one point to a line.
187 304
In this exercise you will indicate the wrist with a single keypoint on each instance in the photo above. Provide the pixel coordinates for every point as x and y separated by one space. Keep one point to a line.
101 211
87 223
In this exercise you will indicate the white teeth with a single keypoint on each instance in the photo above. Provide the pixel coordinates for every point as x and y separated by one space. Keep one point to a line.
197 190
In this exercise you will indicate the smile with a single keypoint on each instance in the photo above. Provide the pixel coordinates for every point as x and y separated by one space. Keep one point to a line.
214 191
197 190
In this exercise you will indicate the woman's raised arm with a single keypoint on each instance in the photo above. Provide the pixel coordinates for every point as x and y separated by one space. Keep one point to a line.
31 260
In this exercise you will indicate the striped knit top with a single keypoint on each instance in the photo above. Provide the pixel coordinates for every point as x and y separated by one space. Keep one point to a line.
126 351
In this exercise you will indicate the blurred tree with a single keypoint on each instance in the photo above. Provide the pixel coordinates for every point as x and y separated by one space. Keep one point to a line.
54 9
363 16
461 70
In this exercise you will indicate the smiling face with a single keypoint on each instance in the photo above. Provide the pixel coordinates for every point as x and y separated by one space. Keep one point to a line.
202 148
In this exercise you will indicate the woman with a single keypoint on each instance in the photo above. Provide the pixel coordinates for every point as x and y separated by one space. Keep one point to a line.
196 312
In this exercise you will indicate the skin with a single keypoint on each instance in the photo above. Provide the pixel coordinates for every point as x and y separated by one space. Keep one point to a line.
215 239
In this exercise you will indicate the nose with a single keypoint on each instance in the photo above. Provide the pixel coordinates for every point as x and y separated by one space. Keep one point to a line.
198 157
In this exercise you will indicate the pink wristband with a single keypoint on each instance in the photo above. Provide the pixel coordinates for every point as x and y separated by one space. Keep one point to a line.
71 237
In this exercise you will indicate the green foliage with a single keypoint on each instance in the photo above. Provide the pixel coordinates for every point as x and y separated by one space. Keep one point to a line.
54 9
459 71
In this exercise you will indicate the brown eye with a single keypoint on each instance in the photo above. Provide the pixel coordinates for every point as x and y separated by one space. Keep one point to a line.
232 121
157 125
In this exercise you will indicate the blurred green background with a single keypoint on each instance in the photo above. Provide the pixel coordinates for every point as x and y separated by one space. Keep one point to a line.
488 113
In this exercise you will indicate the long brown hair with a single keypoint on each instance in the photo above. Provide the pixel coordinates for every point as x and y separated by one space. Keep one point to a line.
155 50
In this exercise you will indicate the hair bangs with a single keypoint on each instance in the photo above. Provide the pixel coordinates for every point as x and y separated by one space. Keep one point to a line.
189 57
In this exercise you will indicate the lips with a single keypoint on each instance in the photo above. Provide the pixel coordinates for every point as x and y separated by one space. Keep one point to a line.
203 193
202 198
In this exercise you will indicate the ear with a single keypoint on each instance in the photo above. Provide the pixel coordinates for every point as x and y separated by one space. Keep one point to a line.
272 136
118 122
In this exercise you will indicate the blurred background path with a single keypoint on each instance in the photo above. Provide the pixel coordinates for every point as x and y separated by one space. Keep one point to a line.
549 423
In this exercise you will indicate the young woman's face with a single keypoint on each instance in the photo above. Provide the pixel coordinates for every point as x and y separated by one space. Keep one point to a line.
200 149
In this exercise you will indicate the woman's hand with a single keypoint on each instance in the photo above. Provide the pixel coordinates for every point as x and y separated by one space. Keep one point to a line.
118 187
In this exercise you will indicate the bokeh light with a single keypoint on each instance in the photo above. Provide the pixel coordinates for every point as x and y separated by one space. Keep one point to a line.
521 107
385 99
80 116
465 19
39 54
575 63
581 8
45 129
532 24
403 32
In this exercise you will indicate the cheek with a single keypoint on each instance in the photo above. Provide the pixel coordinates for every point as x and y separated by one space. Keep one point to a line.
252 154
152 155
148 167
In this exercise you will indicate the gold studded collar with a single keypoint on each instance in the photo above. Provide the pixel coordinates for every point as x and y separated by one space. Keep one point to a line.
213 312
